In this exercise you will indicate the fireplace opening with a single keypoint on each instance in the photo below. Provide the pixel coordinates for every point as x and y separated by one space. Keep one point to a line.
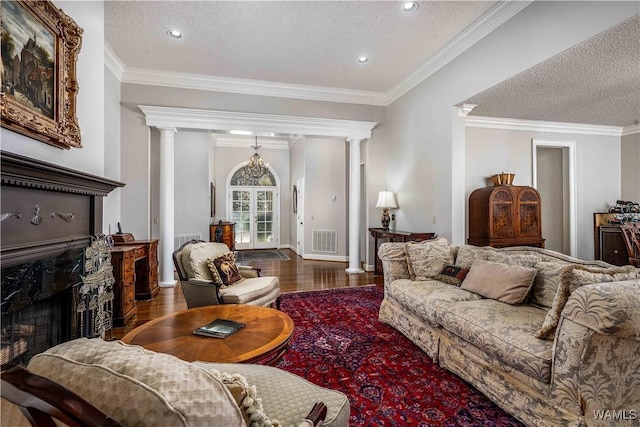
39 301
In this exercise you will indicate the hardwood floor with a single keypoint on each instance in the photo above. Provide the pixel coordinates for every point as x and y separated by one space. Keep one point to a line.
296 274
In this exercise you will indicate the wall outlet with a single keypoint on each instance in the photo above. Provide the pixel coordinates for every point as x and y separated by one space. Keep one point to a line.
433 219
393 217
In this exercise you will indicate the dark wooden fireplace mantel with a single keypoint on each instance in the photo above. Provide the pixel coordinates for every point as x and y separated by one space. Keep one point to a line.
46 208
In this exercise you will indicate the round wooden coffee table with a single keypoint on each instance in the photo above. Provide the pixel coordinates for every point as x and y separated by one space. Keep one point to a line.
266 334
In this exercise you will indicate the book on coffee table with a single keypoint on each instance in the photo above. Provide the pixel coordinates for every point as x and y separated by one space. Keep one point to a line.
219 328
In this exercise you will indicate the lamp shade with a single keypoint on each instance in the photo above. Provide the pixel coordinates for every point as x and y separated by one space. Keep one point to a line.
386 199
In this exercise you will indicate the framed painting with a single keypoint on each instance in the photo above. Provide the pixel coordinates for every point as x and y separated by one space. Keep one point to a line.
40 47
213 200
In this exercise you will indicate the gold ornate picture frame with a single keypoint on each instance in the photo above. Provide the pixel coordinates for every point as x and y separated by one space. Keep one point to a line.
40 47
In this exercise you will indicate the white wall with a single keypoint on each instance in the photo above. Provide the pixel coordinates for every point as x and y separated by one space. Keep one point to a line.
490 151
90 99
326 177
112 151
191 184
630 167
421 166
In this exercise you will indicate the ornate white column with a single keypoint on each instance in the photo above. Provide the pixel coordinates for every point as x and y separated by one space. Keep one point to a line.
166 207
354 206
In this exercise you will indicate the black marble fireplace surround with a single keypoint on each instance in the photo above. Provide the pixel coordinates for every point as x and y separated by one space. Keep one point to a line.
48 215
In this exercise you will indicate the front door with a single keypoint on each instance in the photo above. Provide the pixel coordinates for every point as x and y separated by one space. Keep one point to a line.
255 212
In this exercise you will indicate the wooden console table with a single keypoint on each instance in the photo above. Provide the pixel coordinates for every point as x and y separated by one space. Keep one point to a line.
395 236
146 267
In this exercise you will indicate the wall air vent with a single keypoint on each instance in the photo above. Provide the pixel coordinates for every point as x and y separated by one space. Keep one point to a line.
181 239
325 241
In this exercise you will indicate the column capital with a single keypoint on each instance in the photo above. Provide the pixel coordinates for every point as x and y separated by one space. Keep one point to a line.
167 129
355 140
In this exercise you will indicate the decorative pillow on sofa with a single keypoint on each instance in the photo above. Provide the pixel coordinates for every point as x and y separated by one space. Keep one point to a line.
427 258
572 277
506 283
546 282
467 254
246 398
225 268
452 274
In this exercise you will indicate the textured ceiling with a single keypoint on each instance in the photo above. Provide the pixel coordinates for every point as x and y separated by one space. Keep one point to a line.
317 43
313 43
594 82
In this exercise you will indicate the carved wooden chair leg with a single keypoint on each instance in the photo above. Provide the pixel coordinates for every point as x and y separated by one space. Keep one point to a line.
318 414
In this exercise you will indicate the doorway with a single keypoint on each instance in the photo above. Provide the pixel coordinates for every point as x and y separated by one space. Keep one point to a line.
254 206
299 204
554 178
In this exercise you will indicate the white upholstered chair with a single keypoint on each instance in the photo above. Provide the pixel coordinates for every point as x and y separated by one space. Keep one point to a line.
134 386
200 288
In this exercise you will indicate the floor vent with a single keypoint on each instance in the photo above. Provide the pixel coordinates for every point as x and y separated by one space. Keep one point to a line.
325 241
184 238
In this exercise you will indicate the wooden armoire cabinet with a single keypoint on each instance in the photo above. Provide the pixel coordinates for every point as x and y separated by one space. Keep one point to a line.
228 233
505 215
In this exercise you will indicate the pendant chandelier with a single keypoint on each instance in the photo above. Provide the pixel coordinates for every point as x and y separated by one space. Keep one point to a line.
255 167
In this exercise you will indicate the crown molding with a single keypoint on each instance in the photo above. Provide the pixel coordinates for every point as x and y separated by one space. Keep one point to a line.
541 126
113 62
492 19
226 121
250 87
631 130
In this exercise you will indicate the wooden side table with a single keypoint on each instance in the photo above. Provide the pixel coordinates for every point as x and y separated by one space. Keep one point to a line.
395 236
123 259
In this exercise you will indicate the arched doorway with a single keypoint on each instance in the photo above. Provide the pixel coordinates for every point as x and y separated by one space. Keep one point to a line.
254 205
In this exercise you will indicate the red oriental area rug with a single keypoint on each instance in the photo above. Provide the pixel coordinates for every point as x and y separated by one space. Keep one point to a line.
339 343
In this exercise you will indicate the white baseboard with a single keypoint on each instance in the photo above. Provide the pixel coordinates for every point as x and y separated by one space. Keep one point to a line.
170 284
368 267
319 257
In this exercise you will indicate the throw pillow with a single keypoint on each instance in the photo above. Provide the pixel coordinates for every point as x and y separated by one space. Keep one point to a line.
452 275
246 398
572 277
507 283
226 269
546 282
427 258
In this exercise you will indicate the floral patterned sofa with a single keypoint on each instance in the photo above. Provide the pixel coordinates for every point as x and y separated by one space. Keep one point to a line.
565 351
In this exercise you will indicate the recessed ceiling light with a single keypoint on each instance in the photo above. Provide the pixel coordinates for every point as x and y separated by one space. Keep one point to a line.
175 34
363 59
409 6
